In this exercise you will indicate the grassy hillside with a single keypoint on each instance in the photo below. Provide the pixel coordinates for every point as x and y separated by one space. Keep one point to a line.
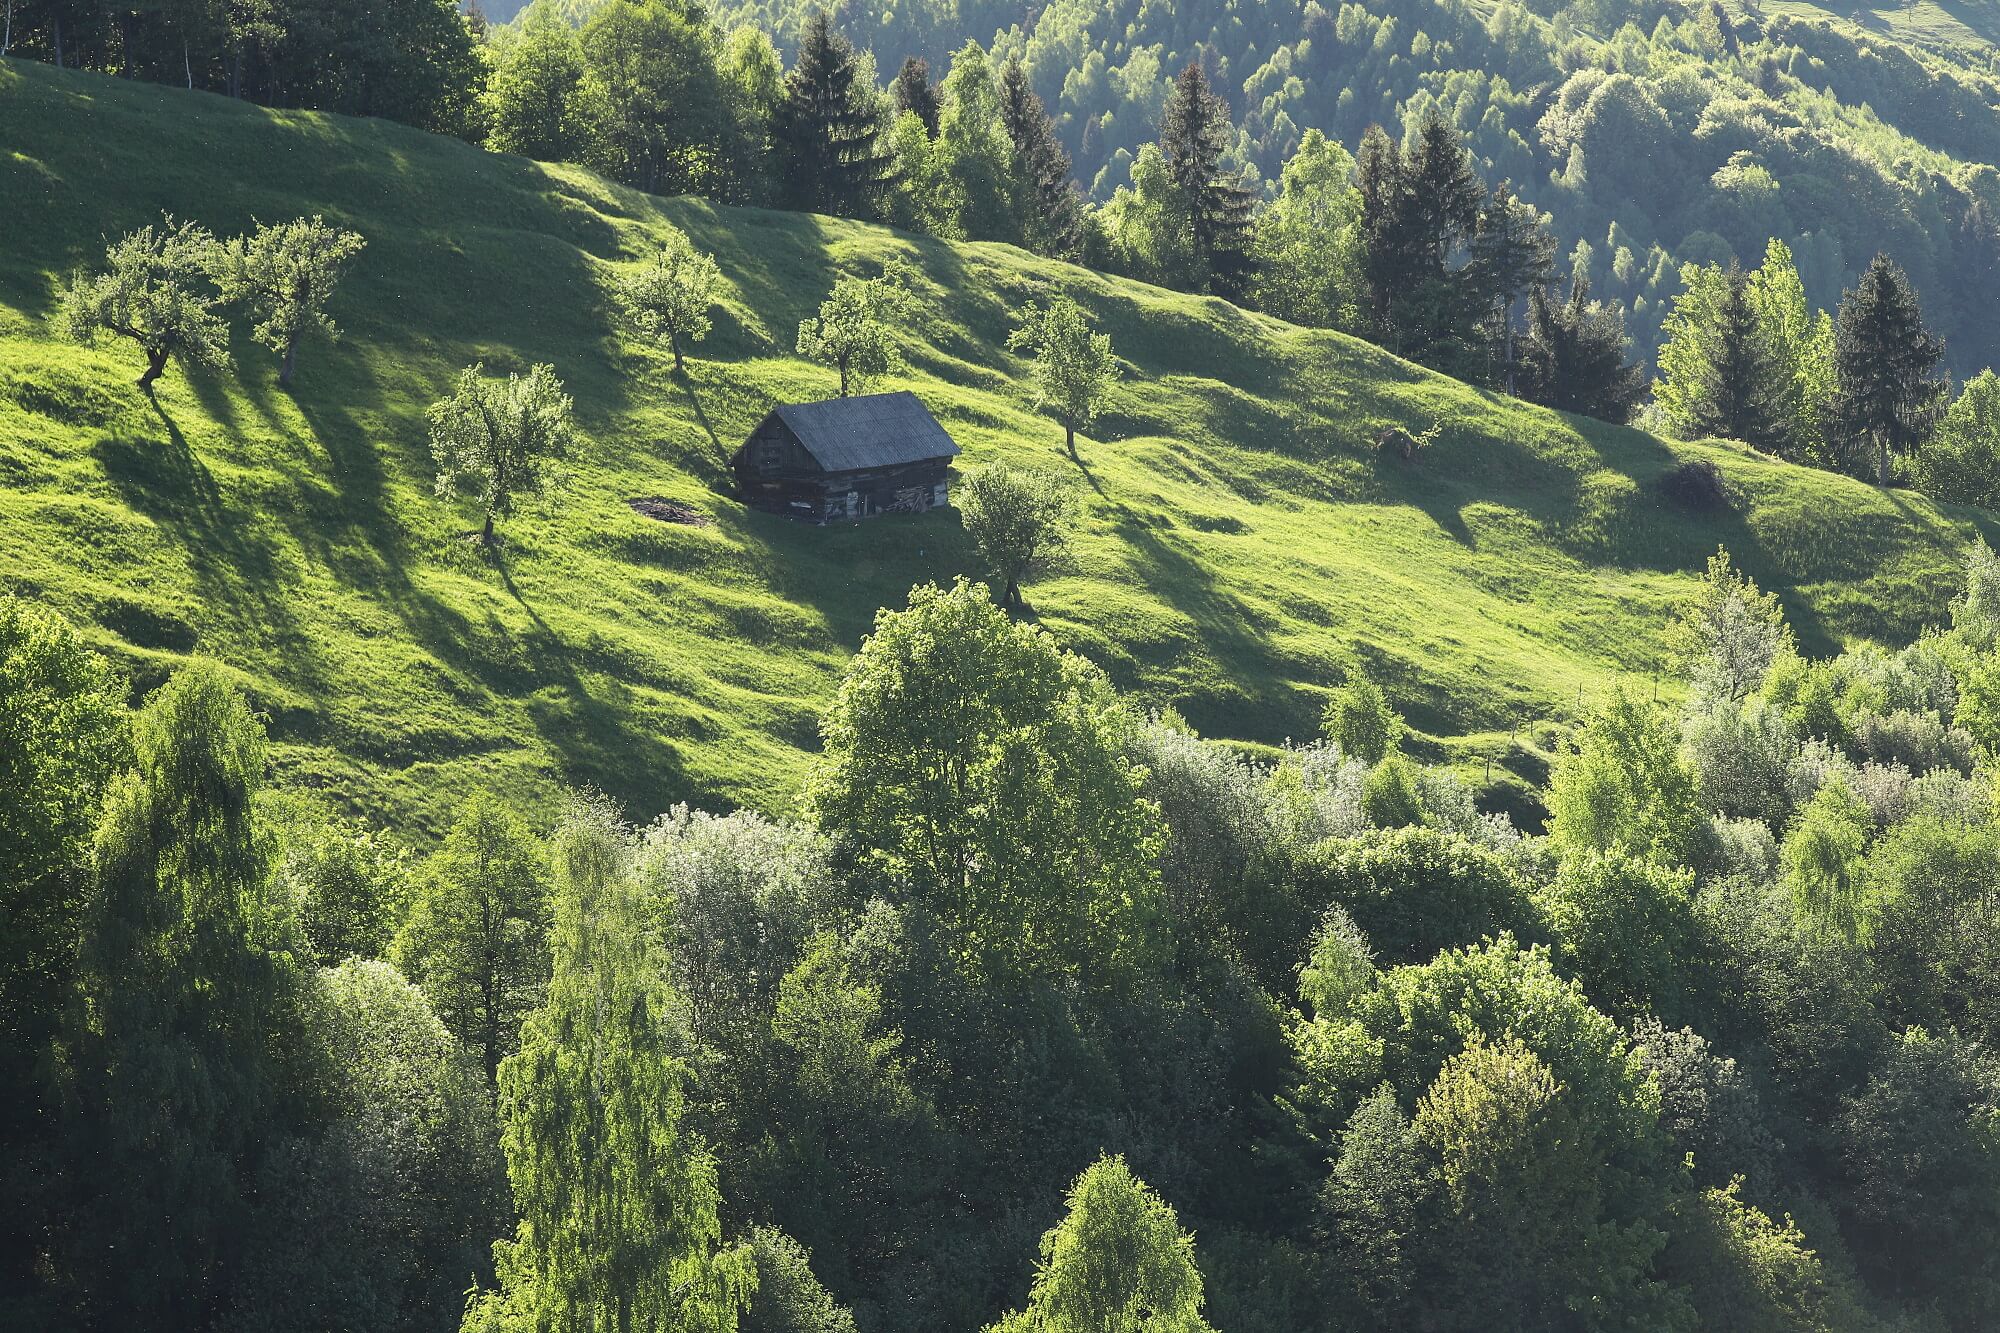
1240 533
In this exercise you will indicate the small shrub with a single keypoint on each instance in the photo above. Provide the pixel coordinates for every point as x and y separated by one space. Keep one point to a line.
1696 485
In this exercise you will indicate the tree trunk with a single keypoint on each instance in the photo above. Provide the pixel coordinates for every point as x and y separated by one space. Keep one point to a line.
487 536
156 365
1882 459
1013 594
187 62
291 359
7 39
59 45
680 366
1069 440
843 377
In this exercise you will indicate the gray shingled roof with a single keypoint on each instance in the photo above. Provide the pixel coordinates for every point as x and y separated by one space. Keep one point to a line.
876 430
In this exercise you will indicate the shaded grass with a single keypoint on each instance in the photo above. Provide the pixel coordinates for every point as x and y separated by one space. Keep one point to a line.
1239 535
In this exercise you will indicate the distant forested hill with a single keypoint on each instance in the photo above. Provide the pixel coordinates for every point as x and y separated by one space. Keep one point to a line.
1654 133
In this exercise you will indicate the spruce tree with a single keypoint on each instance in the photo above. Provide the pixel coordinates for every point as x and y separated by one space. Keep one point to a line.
1740 393
1888 387
1573 358
1385 261
1194 135
831 157
1051 205
914 91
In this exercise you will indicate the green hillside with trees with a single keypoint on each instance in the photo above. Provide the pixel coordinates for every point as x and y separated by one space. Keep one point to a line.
1301 842
1239 537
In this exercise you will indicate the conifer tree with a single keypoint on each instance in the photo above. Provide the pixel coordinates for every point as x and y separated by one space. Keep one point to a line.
1719 373
1738 385
1051 206
831 156
914 91
1194 134
1888 388
619 1226
1573 358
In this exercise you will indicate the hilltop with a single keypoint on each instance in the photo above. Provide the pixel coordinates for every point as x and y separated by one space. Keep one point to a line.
1240 533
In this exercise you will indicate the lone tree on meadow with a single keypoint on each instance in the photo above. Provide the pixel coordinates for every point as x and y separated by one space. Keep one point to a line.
154 291
285 274
852 331
503 440
1019 517
1074 366
1889 390
670 297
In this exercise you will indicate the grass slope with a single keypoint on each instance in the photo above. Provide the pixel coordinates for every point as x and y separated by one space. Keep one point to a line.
1240 533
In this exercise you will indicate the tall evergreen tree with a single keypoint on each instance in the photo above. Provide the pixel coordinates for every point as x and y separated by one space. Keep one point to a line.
1215 207
1512 254
1420 210
1888 388
1051 206
914 91
1573 358
1740 387
831 158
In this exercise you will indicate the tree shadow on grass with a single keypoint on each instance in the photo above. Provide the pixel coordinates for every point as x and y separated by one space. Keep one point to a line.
239 576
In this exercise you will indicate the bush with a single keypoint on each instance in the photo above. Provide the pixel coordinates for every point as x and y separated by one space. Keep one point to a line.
1414 891
1697 486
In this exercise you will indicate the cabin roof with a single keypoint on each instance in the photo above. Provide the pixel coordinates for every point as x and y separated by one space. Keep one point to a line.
874 430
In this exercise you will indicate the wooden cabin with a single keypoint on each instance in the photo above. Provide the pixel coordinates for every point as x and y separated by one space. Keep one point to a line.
846 458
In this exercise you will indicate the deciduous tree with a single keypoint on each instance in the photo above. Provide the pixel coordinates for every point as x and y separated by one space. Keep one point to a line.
670 296
1118 1260
618 1195
285 274
504 440
985 769
854 331
1074 367
154 292
475 935
1019 518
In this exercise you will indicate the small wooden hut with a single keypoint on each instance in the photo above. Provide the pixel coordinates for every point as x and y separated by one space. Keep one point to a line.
846 458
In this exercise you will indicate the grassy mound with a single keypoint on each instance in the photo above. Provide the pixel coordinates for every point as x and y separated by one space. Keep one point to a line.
1241 530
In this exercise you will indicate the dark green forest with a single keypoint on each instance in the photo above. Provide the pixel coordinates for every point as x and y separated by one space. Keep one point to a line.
1045 1006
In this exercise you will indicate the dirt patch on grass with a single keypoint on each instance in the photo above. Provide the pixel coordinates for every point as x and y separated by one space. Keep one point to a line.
669 511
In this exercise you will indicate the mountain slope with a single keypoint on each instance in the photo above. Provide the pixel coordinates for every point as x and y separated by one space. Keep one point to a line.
1239 535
